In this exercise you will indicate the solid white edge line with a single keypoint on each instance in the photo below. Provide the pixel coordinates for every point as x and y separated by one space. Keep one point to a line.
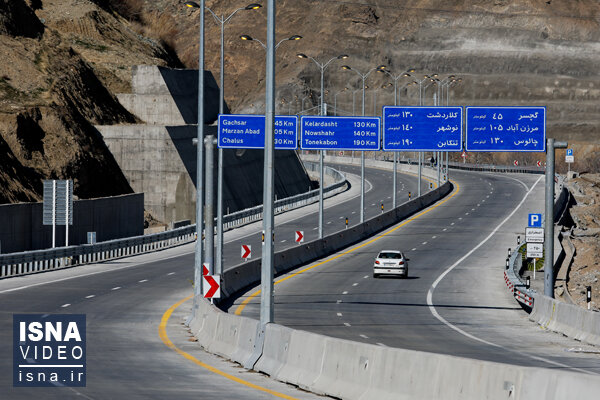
434 312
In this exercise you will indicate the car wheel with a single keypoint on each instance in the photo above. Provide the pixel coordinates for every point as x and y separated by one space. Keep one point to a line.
375 275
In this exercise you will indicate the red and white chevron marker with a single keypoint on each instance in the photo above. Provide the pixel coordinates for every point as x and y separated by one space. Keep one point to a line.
204 269
211 286
246 251
516 163
539 163
299 236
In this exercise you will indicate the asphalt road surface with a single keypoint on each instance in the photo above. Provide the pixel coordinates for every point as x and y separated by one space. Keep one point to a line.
454 300
124 301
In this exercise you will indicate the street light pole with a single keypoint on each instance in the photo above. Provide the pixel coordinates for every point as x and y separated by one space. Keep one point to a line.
266 304
199 166
322 67
362 153
335 100
222 21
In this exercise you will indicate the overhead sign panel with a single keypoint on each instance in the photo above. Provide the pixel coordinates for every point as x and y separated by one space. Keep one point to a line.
237 131
506 129
340 133
422 128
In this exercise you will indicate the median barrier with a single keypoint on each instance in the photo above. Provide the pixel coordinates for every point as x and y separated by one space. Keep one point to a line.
275 355
303 362
245 275
361 371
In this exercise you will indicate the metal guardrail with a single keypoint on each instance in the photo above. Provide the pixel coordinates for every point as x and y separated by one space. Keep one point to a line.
485 167
15 264
515 284
289 203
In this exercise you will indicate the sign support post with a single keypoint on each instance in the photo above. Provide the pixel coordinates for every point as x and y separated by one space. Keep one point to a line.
209 247
67 192
549 218
53 213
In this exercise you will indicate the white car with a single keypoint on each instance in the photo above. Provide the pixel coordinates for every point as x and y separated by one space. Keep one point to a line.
390 262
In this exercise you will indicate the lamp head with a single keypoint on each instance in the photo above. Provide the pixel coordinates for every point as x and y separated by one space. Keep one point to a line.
343 56
246 37
253 6
191 4
295 37
301 55
347 67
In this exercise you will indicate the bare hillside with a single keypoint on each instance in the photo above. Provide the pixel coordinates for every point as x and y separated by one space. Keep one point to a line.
61 60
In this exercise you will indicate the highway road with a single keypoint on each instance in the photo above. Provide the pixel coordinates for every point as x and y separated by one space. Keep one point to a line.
454 301
124 301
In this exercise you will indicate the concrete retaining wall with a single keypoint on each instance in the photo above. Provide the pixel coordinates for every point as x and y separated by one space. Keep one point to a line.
110 217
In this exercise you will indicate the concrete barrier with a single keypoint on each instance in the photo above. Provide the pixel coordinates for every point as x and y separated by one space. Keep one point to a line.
568 319
360 371
224 334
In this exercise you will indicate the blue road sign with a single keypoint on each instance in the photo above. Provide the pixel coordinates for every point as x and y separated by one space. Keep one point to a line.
506 129
570 152
422 128
340 133
535 221
237 131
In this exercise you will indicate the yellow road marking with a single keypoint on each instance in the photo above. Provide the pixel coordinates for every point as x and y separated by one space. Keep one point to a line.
162 332
243 304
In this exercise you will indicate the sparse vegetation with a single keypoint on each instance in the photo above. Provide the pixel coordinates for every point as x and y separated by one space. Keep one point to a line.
89 45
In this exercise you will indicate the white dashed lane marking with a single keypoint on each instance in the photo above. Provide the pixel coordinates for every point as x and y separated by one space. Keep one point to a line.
119 287
65 305
424 243
143 280
339 314
346 324
90 296
345 292
171 273
413 249
364 336
355 284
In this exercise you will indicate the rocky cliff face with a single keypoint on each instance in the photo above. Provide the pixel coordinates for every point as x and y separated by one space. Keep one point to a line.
60 62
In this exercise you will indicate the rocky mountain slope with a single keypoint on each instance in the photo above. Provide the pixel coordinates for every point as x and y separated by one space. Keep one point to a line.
534 52
61 62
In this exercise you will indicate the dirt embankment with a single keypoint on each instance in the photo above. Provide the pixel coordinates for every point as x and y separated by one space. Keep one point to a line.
61 62
585 270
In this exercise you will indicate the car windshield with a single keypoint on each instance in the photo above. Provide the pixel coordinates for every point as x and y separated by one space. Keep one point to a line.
395 256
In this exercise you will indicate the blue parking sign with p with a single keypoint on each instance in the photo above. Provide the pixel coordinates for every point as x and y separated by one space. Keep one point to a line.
569 152
535 220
